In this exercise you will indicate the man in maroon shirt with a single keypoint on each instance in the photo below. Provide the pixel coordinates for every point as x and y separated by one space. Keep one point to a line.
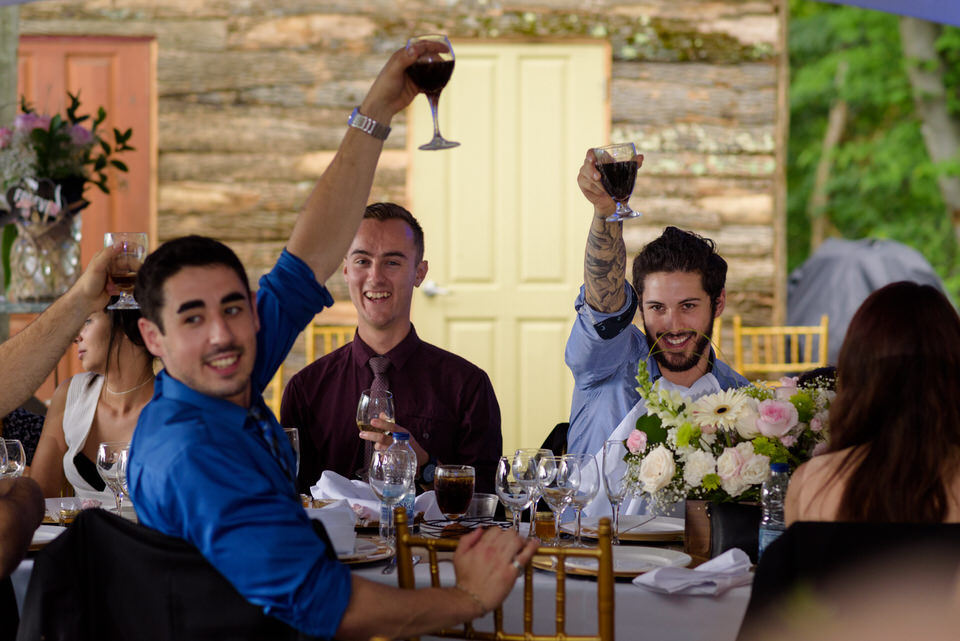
446 403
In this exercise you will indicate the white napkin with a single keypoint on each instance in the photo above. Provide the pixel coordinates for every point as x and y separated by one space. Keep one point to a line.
357 493
716 576
427 503
339 521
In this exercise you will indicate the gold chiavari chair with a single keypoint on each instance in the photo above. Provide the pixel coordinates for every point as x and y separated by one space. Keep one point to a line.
781 349
319 340
406 541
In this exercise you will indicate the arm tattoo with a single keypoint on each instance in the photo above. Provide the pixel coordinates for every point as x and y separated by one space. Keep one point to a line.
604 266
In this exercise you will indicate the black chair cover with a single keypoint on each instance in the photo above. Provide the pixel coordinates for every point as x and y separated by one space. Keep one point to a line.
108 578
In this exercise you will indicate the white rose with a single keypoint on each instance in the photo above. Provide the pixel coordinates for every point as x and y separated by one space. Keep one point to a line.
734 486
756 469
729 463
747 421
698 465
657 469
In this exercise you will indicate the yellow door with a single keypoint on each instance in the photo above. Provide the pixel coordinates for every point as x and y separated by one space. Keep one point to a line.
505 223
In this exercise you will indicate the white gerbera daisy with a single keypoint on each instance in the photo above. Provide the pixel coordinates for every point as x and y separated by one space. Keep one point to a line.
720 410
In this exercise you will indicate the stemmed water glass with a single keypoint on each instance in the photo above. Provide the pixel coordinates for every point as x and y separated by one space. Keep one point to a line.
112 466
513 493
557 479
617 167
14 460
123 267
587 483
391 476
525 462
431 73
615 480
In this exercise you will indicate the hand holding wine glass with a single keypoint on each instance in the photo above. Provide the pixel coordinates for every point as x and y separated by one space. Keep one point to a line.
431 73
124 265
617 166
374 404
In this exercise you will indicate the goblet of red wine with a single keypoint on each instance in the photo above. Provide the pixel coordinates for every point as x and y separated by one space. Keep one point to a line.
123 267
618 173
431 73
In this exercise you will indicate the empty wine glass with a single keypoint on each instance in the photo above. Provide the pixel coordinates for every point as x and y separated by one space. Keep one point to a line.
294 435
513 494
15 459
374 404
525 461
557 480
586 481
391 476
111 464
123 267
431 73
617 166
615 480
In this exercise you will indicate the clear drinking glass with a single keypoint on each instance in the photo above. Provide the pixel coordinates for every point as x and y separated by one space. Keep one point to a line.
586 479
615 480
557 480
617 166
15 459
525 461
391 476
513 494
112 466
124 266
454 487
431 73
374 404
294 435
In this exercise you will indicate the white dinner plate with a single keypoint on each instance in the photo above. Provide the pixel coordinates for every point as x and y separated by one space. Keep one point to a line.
628 561
661 528
44 534
366 551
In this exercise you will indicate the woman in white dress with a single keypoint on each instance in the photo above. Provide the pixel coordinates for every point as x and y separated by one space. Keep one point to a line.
102 404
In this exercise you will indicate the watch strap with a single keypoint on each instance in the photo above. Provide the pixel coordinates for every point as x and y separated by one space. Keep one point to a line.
368 125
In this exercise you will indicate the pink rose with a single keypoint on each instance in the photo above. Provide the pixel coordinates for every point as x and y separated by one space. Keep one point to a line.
776 418
789 440
788 387
818 421
819 448
637 441
80 135
5 136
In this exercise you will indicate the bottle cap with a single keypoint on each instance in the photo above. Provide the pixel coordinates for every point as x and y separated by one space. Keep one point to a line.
400 436
779 467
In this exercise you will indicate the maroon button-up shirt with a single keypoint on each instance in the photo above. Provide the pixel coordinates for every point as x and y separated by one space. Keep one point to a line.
446 402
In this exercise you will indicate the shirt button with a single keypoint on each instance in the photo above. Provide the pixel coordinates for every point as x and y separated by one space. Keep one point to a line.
426 436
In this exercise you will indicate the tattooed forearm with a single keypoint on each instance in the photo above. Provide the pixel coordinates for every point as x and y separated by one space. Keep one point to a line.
604 266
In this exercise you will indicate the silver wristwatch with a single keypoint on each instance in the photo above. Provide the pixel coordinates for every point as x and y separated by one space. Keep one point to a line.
368 125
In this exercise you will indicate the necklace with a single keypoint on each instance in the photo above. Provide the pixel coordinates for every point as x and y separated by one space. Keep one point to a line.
132 389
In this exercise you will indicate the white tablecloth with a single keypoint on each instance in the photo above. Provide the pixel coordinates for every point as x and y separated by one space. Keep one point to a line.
639 613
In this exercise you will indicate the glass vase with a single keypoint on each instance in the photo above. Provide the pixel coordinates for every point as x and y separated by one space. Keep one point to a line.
44 259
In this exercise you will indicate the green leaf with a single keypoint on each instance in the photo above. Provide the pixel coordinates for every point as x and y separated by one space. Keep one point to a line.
686 434
653 427
119 165
100 163
9 235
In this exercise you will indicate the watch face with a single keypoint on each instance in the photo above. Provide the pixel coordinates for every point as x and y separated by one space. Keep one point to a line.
428 472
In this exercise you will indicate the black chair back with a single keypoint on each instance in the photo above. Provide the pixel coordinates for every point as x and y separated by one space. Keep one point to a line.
108 578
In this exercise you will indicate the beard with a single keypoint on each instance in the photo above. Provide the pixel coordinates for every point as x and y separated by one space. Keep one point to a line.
678 361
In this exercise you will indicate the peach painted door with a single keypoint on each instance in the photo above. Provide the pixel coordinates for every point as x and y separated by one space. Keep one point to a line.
119 75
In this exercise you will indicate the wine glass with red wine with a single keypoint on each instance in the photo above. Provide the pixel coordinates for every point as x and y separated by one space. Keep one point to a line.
123 267
618 173
431 73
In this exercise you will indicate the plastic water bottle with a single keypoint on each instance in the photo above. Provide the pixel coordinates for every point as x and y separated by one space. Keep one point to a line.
402 440
772 495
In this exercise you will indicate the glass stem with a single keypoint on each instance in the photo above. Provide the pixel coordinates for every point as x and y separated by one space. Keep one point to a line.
516 520
616 523
119 497
533 517
434 99
578 510
556 525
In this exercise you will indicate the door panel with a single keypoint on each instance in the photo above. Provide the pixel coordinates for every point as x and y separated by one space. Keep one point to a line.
505 223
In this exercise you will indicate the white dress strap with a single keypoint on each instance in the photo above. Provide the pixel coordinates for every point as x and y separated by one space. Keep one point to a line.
81 407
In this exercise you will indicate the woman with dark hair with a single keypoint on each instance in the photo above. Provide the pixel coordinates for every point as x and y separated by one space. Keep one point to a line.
102 404
895 423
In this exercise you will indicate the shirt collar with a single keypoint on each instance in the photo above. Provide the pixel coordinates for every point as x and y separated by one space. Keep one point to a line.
173 389
399 355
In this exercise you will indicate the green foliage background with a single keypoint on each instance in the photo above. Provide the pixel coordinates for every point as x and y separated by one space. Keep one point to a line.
882 183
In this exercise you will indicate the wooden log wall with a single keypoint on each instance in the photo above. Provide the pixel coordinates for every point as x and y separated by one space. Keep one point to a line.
253 97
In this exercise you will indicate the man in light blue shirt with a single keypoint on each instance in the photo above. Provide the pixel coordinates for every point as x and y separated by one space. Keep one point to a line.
210 464
678 285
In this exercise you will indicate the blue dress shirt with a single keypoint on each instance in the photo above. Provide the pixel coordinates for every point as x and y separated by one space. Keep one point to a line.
605 375
201 469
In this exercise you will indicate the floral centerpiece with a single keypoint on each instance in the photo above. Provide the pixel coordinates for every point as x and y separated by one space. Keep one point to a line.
720 446
46 163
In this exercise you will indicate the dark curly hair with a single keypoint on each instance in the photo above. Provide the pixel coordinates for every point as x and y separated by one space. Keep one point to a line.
677 250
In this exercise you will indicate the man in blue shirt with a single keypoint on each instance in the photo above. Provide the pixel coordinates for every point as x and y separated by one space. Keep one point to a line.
678 284
210 464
